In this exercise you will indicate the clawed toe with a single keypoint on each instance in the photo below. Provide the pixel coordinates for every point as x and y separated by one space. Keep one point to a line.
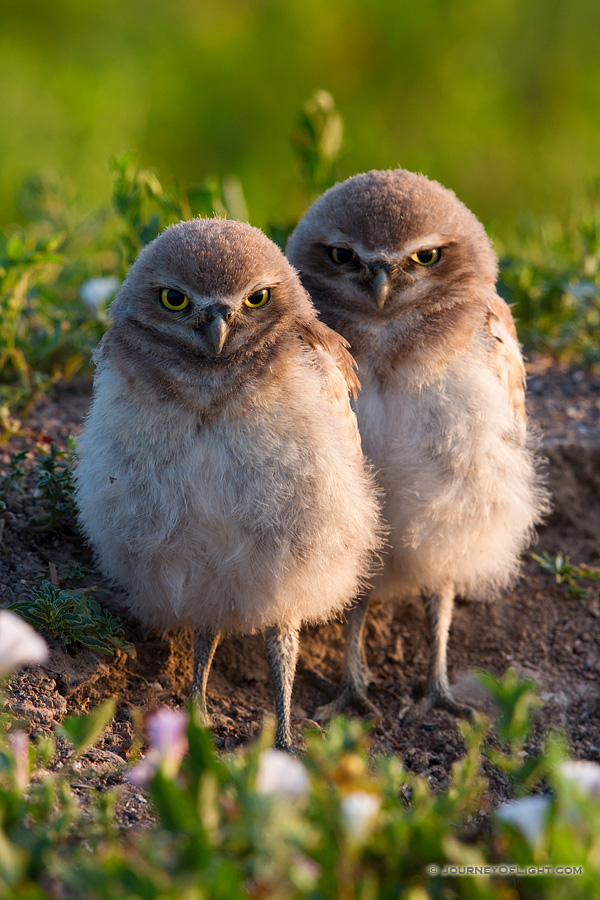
436 699
314 678
348 696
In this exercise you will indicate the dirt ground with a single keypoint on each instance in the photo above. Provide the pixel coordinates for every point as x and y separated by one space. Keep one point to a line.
536 627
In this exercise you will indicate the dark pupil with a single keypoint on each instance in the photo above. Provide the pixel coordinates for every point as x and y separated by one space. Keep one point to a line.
342 254
257 297
175 297
425 256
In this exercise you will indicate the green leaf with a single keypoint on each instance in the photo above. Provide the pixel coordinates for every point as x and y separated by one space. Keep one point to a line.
83 731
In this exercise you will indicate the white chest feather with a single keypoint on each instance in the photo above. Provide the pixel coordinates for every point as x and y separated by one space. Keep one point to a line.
460 486
233 523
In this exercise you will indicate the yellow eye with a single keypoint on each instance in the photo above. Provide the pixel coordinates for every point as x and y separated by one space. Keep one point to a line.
173 299
426 257
341 255
258 298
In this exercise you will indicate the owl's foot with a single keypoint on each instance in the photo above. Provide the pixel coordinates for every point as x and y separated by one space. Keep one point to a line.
436 698
349 694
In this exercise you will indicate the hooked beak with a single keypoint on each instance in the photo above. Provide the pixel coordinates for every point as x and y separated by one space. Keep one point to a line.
381 287
217 332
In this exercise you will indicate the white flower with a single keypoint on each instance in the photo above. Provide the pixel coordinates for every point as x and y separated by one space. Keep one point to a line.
527 814
168 745
20 645
584 774
96 291
359 812
279 773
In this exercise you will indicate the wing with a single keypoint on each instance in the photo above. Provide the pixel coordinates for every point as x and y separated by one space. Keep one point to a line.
337 366
506 354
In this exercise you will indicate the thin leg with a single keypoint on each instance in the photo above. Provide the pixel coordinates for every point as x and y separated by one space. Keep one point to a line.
204 651
438 608
353 689
282 654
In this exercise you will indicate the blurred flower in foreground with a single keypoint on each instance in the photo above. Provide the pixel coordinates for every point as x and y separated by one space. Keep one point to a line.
96 291
20 645
19 741
583 774
527 814
279 773
168 745
359 813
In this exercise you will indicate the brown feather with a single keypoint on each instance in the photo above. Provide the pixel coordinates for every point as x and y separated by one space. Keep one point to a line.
319 336
506 355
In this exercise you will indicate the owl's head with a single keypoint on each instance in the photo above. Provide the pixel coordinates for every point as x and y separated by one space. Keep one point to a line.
208 291
385 242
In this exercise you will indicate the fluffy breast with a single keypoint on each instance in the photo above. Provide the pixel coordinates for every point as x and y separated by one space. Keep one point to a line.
461 490
234 523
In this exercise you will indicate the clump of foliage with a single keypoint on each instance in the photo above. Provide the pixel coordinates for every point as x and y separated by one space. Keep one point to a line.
144 207
317 142
567 573
55 486
551 272
261 824
11 485
74 618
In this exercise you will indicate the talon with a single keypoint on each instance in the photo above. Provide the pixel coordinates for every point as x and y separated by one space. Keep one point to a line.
436 699
315 679
348 695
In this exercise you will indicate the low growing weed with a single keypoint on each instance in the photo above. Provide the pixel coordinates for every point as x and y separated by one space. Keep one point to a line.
55 487
567 573
74 618
261 824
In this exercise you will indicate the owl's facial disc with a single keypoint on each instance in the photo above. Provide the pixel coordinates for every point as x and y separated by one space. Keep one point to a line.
224 323
383 278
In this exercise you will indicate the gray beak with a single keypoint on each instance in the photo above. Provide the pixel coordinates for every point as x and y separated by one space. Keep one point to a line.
381 287
217 332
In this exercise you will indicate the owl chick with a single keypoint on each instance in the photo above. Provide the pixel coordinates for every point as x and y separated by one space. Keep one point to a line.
220 477
405 272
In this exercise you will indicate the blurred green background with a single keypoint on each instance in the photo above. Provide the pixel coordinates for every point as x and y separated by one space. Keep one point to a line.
499 100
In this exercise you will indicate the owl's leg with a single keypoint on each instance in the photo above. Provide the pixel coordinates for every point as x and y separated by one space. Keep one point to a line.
438 608
205 645
353 689
282 654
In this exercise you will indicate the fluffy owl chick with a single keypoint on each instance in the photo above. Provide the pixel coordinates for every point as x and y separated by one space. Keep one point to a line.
405 272
220 477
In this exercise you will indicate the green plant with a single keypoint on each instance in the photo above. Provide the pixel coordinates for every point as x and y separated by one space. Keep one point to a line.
317 142
12 483
74 618
261 824
566 573
144 208
41 821
55 486
551 272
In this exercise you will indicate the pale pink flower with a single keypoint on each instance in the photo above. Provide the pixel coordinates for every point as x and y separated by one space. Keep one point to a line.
584 774
359 813
528 814
19 741
96 291
279 773
20 645
168 745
